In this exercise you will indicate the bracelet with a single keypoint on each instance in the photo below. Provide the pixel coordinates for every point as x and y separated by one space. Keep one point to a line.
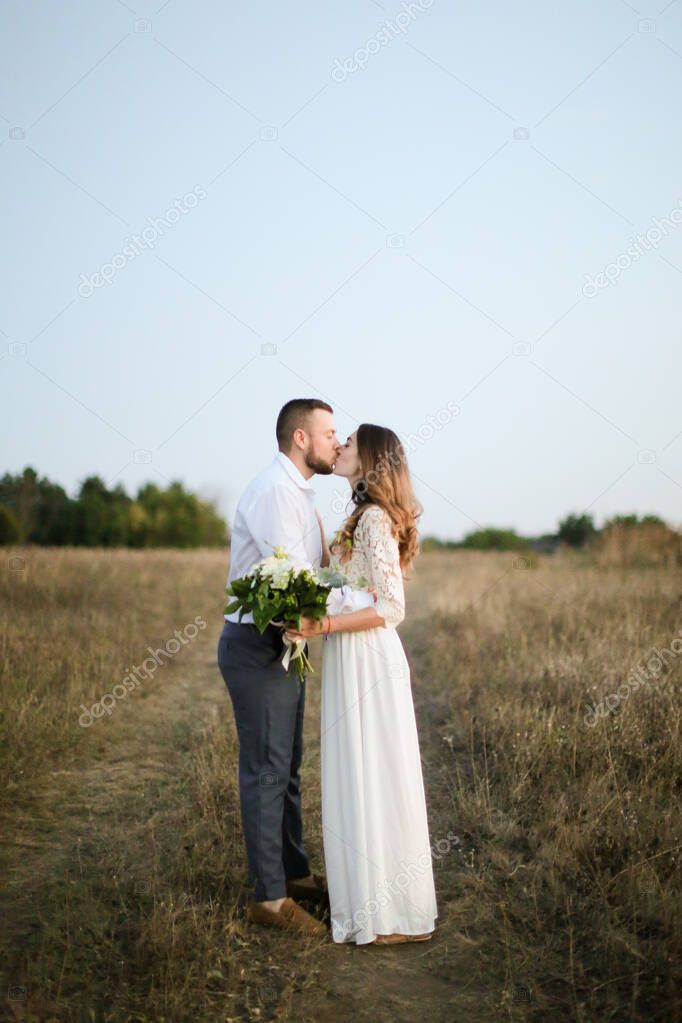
329 625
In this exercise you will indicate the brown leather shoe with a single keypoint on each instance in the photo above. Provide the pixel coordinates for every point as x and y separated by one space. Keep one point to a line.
399 939
316 891
289 917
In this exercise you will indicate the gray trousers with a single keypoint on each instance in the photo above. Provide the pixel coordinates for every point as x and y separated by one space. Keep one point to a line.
268 705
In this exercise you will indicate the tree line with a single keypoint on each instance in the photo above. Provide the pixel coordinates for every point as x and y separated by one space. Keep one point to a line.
622 539
35 510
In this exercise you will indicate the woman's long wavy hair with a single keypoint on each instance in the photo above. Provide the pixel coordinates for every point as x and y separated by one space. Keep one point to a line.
385 481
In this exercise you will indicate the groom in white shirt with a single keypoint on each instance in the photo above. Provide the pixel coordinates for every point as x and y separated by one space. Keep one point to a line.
277 508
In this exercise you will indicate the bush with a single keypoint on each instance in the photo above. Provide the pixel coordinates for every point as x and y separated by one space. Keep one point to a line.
495 540
626 541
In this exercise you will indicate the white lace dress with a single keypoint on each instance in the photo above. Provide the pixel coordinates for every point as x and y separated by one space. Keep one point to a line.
374 822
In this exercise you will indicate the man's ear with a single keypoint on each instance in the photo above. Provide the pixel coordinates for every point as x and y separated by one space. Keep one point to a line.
298 438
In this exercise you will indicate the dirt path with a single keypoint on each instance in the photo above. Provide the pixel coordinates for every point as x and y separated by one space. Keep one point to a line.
130 789
118 794
403 983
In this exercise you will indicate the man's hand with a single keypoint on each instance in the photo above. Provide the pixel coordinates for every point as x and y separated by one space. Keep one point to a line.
324 562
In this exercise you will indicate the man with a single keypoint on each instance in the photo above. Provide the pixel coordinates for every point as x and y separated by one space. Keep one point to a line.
277 508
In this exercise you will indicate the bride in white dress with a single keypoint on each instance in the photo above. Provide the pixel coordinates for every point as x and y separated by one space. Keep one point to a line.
374 821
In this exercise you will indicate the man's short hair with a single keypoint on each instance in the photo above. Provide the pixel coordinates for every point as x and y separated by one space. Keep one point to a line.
294 416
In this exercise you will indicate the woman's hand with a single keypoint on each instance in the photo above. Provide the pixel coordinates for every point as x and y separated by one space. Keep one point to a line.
309 627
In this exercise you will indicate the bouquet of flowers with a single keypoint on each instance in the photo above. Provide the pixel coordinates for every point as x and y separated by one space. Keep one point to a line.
276 592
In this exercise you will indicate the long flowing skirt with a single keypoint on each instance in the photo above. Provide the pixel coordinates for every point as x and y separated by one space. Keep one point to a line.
374 821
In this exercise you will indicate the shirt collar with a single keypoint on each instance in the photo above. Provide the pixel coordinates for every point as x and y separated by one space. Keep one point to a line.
293 471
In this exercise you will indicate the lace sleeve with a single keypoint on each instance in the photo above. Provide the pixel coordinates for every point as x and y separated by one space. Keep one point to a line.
384 562
345 599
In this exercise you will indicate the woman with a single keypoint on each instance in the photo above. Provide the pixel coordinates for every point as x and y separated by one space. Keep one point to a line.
374 821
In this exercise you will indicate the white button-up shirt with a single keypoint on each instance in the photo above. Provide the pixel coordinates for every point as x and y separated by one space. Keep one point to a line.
276 509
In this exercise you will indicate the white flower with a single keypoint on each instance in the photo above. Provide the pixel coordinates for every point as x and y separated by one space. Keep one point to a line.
268 566
281 577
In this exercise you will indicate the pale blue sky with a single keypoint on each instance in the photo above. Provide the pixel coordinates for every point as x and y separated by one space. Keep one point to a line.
409 233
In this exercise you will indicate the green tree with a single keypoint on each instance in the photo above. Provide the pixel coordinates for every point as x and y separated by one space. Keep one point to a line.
576 530
101 515
9 527
212 527
54 516
38 511
176 518
20 495
634 520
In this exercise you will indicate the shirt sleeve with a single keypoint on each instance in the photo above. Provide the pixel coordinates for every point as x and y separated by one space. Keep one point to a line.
276 519
384 561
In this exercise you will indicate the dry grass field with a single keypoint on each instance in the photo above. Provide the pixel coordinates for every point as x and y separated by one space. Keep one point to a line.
123 865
